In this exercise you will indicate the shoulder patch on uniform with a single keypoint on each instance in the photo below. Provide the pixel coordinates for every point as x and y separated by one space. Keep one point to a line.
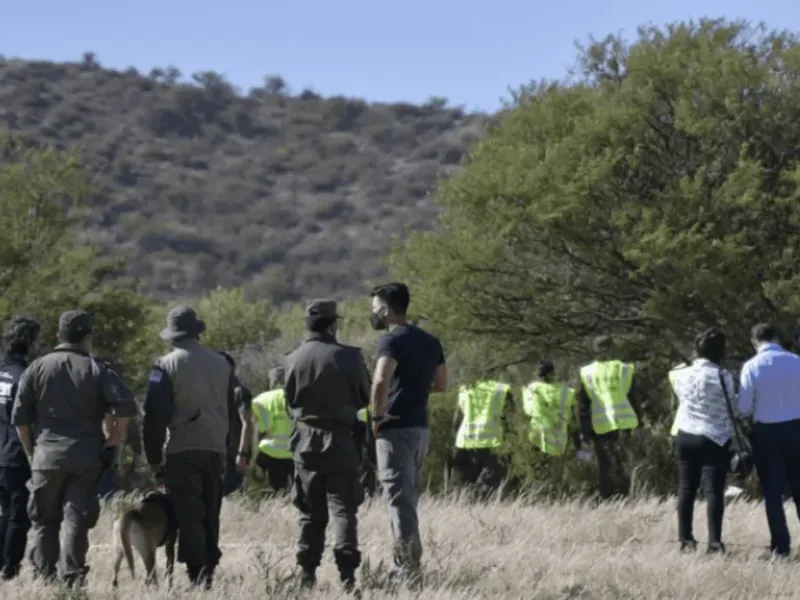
155 375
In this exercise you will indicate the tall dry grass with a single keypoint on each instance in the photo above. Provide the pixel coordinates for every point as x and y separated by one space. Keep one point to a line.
495 550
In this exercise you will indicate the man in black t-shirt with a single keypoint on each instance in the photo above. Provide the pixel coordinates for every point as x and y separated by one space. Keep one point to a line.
411 364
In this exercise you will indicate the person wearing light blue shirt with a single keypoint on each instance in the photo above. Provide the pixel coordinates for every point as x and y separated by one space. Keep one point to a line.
770 394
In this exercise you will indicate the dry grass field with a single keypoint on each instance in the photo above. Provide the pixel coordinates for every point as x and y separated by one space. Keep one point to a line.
497 550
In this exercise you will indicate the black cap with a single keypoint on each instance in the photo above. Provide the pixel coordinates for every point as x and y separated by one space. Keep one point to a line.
74 322
322 308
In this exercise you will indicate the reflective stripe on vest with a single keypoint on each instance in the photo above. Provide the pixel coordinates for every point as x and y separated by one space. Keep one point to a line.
482 406
549 406
270 410
607 384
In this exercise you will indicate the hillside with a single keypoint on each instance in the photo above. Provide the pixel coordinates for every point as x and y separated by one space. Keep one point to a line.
200 185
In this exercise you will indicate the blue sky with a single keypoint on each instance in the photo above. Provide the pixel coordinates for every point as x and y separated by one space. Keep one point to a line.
468 51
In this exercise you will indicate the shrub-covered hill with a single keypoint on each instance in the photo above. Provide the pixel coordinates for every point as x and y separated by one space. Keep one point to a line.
200 185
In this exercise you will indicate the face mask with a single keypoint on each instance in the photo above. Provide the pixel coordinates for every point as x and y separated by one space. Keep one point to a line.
377 321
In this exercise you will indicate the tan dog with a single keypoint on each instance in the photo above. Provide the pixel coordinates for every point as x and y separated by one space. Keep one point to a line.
146 526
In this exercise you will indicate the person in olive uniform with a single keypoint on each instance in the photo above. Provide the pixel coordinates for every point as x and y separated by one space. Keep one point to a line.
191 393
240 431
65 396
327 383
19 337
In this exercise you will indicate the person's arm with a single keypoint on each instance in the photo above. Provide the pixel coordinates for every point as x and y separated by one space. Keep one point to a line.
379 396
384 370
159 405
245 411
747 391
23 413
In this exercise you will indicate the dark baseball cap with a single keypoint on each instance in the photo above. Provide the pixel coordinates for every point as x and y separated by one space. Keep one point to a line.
322 308
74 322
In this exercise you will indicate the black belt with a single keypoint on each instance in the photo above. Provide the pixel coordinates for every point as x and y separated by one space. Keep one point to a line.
334 426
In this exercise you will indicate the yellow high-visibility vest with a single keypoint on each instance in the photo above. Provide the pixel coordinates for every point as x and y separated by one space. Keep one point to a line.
607 383
549 405
482 406
270 411
363 415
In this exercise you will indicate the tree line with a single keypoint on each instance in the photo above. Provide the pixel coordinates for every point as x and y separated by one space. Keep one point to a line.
651 195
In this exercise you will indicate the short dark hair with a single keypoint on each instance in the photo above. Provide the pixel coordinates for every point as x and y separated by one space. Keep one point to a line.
396 296
319 324
710 344
545 368
764 332
76 337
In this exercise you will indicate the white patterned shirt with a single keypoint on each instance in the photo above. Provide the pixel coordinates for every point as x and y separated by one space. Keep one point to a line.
702 406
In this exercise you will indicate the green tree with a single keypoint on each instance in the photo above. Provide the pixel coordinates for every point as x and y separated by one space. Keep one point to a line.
43 271
653 195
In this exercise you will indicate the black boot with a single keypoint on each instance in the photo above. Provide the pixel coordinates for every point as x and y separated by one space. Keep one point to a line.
193 572
207 578
716 548
308 579
348 579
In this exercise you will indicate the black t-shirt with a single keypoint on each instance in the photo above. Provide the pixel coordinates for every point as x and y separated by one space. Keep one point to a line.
418 354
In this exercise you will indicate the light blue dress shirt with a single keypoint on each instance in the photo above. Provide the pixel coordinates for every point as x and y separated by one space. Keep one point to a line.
770 385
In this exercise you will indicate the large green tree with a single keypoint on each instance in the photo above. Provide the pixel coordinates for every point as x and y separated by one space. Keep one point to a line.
652 195
44 270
